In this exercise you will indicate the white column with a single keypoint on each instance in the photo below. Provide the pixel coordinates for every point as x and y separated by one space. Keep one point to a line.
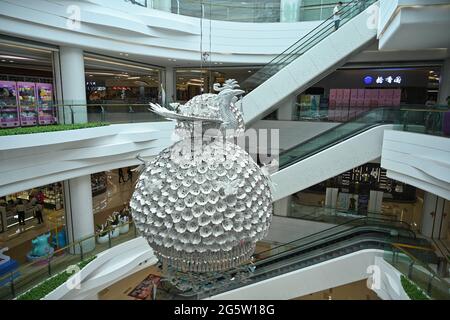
435 216
286 109
282 207
444 84
73 84
169 84
163 5
79 214
290 10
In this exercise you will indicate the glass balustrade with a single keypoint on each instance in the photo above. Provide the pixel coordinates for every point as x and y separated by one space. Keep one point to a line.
313 37
434 121
417 264
19 280
254 11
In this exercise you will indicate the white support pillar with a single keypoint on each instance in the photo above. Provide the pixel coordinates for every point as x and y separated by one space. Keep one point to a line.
282 207
444 83
286 109
163 5
435 217
290 10
79 213
169 84
73 83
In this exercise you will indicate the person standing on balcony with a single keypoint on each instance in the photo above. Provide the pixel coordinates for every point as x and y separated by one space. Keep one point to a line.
130 174
337 15
121 176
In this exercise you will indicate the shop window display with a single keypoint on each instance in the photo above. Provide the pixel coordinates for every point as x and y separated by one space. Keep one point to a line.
99 183
354 189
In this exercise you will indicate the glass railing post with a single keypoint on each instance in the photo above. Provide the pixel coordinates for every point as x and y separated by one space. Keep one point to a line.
81 250
410 270
430 284
13 288
49 265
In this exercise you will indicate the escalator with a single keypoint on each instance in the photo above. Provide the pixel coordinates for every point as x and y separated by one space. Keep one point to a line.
317 54
349 237
349 145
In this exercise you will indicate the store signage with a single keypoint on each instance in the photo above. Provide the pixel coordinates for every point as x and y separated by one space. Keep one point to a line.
383 80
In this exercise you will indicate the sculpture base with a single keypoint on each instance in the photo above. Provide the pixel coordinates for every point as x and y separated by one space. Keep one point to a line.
206 261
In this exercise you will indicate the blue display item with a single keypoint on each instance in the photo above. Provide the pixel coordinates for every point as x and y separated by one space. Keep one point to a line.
8 268
41 248
61 241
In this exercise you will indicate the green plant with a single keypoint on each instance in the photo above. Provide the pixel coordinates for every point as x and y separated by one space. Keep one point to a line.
51 128
44 288
412 290
101 230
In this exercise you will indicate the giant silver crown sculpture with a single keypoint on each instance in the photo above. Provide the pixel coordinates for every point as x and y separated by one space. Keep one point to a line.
202 204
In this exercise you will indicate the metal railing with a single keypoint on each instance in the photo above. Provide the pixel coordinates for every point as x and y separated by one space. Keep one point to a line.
414 263
12 116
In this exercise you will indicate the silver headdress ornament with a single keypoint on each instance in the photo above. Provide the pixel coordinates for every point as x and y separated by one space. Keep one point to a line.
202 206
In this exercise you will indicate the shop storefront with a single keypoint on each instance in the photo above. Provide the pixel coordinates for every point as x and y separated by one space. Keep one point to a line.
347 93
27 88
363 191
189 82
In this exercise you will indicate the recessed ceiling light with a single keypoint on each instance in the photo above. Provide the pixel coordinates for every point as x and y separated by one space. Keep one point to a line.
121 54
249 71
3 60
11 61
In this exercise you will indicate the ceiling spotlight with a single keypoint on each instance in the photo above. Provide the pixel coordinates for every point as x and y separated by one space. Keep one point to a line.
11 61
249 71
3 60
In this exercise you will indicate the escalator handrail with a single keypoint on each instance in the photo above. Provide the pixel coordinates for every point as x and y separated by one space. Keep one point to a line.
340 139
323 240
344 11
345 243
365 219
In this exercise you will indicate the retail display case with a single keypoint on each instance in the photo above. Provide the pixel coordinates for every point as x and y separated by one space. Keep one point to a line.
98 183
9 113
46 110
27 103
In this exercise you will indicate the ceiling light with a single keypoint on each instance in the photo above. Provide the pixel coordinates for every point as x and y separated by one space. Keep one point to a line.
11 61
15 57
3 60
249 71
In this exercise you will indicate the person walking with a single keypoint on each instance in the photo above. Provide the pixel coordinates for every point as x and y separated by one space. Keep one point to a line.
38 213
21 212
130 174
121 176
337 15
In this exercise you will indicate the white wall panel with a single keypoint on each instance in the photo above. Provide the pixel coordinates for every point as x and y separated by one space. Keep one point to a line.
418 159
28 161
147 34
350 153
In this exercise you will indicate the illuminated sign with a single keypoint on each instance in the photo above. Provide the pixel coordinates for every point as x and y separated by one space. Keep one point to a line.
383 80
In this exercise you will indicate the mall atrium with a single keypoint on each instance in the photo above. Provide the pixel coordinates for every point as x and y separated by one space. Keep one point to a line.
224 150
